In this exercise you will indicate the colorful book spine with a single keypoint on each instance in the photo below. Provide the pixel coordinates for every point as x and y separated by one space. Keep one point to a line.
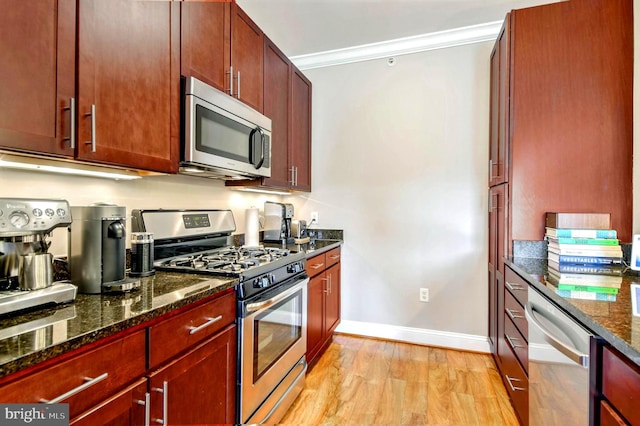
616 252
589 260
590 288
587 269
586 241
582 233
587 295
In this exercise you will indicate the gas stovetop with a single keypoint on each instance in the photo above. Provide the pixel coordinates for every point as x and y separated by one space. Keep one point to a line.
198 241
232 261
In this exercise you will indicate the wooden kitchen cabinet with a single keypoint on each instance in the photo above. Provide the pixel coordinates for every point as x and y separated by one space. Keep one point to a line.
200 386
287 101
499 111
497 237
620 389
223 47
127 407
128 83
37 76
109 367
323 302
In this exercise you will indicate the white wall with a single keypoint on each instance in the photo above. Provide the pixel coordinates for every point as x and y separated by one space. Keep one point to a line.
179 192
400 163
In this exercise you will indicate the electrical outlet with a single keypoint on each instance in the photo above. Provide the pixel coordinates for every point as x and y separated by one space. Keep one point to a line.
424 294
314 218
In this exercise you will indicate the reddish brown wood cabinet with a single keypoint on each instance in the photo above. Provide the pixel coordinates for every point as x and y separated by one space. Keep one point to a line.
127 407
300 144
620 389
223 47
128 83
37 76
323 304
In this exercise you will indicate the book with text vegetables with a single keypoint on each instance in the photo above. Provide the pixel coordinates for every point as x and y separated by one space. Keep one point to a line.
581 233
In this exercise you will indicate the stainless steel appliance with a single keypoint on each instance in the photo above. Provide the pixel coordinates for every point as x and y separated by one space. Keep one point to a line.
299 231
26 266
559 363
97 251
223 137
277 222
272 301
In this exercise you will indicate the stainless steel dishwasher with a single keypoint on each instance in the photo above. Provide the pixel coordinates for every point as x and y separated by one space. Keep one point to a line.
558 365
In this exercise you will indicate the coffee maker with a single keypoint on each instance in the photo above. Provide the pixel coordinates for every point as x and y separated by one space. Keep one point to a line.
26 266
277 226
97 250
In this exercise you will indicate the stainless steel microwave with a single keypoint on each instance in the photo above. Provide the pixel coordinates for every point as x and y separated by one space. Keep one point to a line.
223 137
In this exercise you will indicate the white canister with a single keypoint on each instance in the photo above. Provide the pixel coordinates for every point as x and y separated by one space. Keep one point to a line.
252 227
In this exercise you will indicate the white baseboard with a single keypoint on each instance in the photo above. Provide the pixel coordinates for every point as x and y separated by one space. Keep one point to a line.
419 336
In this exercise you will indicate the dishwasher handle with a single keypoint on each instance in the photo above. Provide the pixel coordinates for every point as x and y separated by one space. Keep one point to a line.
573 354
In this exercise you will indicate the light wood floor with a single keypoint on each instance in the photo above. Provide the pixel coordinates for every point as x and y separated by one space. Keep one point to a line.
363 381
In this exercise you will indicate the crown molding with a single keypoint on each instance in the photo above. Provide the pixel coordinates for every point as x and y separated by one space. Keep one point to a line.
401 46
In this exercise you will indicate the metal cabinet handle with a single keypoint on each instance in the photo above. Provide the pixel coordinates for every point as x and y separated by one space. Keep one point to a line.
230 73
93 127
513 315
510 340
147 407
490 170
316 266
72 119
193 330
334 257
514 287
88 383
164 390
238 95
296 183
293 179
513 379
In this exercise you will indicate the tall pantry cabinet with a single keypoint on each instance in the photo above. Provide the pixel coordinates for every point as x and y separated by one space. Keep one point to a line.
560 135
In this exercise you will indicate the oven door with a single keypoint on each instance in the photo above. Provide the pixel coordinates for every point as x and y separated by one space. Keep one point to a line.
273 341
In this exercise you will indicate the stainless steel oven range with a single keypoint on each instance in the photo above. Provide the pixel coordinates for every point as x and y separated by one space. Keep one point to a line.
272 302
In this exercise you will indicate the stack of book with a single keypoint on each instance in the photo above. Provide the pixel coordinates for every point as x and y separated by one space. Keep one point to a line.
584 256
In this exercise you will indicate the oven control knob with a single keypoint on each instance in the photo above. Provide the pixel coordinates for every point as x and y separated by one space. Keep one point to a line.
294 268
272 278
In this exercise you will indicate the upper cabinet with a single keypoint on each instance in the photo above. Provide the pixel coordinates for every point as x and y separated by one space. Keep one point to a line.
125 111
37 76
222 47
300 143
561 101
128 83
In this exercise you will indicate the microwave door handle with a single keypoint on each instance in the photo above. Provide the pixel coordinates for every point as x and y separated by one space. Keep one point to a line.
263 144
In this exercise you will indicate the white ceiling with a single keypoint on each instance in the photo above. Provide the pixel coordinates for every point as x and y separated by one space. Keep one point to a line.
310 26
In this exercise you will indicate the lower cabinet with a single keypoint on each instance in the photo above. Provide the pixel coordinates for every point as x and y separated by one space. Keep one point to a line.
620 393
198 387
323 305
193 380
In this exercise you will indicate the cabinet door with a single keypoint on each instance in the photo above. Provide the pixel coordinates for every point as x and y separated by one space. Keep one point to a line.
332 311
200 386
300 150
315 315
247 47
37 76
277 105
498 145
128 85
497 209
206 35
127 407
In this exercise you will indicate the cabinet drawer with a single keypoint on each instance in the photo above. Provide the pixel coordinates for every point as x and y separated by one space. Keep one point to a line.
516 285
621 385
516 342
515 312
178 333
609 417
316 264
108 368
333 256
517 384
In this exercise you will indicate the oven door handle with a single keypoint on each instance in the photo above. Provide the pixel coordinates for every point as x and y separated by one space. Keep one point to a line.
252 307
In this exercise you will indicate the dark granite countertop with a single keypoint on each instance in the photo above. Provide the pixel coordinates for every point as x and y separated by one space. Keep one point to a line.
33 337
29 338
611 320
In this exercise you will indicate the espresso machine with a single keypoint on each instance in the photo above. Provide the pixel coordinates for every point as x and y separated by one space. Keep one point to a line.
277 222
26 266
